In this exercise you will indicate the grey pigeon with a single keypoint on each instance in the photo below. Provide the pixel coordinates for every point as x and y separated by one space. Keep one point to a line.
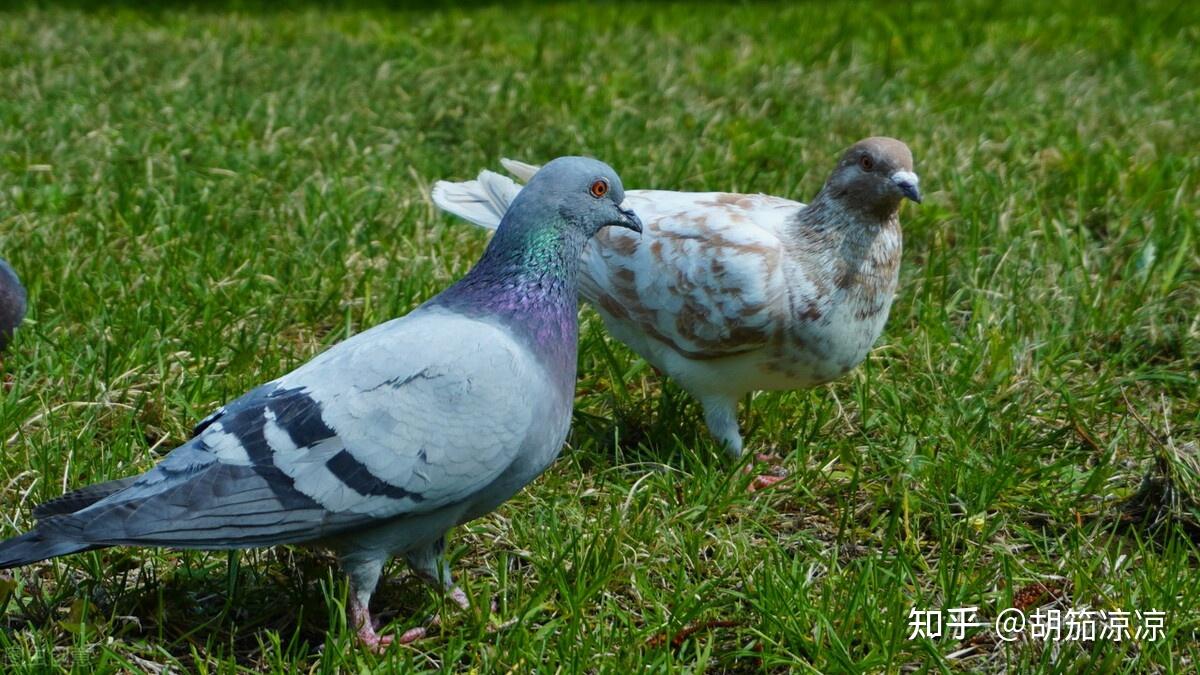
380 445
734 293
12 303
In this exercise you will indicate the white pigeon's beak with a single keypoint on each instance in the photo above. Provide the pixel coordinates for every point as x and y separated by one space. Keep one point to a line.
629 219
909 184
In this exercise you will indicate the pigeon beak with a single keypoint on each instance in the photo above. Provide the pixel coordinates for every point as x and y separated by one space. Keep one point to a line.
629 219
908 183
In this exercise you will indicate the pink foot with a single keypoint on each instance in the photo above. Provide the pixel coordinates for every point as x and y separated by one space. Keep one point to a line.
420 632
413 634
374 641
763 482
460 598
379 643
361 617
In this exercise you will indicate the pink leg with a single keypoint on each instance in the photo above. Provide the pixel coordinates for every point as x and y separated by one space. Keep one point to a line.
360 615
765 480
460 598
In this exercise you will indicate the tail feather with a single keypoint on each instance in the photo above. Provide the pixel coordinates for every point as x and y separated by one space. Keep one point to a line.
38 544
82 498
482 201
520 170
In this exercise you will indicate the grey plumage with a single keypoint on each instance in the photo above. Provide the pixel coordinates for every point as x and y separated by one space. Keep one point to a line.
81 498
12 303
379 445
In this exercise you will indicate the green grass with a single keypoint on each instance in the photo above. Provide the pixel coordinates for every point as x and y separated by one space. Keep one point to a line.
200 200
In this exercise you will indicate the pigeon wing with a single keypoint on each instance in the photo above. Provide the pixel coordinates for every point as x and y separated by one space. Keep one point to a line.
706 278
414 415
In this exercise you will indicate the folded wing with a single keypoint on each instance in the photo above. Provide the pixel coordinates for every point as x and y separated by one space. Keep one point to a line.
411 416
706 278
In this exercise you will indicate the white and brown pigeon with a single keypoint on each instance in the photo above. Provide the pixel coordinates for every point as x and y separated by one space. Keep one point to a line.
734 293
378 446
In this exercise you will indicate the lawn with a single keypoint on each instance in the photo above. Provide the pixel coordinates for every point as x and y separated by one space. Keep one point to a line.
201 199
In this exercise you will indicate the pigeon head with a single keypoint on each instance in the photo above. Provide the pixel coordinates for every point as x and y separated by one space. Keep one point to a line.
586 194
527 277
873 176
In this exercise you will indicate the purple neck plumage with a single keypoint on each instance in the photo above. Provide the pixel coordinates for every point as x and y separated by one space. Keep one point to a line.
527 281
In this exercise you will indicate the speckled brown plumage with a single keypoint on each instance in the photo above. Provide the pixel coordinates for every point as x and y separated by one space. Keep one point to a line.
731 293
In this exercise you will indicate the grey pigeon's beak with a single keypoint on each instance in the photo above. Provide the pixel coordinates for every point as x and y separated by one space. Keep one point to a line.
629 219
908 183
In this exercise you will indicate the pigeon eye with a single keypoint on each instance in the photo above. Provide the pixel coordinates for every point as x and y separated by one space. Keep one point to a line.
866 162
599 188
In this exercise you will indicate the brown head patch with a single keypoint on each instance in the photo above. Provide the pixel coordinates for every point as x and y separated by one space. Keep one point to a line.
862 182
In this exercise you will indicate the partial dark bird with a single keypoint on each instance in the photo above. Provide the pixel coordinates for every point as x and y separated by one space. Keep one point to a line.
12 303
380 445
734 293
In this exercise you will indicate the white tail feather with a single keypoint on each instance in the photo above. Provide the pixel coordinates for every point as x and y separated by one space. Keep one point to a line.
482 201
520 170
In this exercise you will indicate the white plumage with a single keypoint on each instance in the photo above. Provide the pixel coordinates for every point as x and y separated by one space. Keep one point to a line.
733 293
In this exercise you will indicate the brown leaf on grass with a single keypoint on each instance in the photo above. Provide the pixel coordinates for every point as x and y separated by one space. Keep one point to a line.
1035 594
679 638
1086 437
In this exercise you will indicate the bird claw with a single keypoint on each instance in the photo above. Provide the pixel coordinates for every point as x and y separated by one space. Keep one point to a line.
374 641
460 598
380 643
763 482
413 634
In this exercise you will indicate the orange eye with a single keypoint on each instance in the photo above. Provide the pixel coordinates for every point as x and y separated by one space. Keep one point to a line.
599 188
866 162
